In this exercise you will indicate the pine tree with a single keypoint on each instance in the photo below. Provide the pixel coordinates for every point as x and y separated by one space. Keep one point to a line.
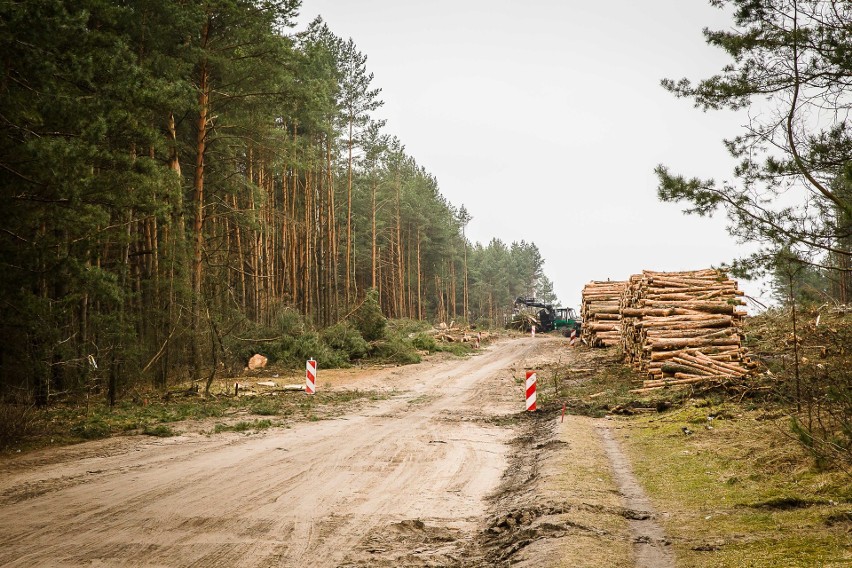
791 60
357 100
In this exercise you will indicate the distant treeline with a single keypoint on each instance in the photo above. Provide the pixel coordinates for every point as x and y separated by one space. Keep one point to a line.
175 174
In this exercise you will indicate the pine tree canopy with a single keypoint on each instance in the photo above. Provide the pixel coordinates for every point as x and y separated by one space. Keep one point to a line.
791 67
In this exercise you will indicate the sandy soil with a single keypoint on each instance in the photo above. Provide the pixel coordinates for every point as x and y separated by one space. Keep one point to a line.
448 471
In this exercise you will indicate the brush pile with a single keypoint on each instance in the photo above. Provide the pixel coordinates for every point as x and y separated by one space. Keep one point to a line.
523 321
683 328
601 313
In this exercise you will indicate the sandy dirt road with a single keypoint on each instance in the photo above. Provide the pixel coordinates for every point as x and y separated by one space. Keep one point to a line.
448 471
402 480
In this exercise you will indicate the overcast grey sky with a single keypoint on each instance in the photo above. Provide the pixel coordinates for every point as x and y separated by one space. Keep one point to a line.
546 120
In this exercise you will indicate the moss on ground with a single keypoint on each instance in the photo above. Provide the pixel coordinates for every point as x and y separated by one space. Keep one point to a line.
737 490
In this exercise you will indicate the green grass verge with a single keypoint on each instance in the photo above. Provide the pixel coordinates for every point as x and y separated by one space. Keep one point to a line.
737 491
68 423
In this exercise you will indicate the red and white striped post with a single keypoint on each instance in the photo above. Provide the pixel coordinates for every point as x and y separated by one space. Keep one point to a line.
532 331
311 377
530 391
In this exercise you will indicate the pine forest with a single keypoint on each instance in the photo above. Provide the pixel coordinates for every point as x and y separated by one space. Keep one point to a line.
183 181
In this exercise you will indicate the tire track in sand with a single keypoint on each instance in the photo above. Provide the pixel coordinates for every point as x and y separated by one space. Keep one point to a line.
649 541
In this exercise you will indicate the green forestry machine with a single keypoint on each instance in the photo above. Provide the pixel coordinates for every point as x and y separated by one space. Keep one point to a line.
551 318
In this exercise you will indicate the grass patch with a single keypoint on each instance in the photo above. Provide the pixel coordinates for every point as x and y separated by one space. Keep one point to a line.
264 408
459 349
93 429
160 431
244 426
69 423
422 399
737 491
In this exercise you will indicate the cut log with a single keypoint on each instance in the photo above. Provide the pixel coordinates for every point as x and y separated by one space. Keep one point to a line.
668 344
685 325
699 332
600 311
667 315
607 317
707 307
608 326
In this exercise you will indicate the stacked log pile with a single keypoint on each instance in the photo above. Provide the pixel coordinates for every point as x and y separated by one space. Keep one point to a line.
601 313
683 328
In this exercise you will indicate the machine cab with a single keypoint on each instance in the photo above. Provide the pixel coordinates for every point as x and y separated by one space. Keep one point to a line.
566 314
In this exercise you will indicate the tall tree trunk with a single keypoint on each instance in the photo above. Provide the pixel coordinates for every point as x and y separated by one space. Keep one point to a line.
308 264
269 253
198 203
379 276
452 290
294 239
374 252
174 162
320 255
440 298
256 265
419 276
349 268
844 248
399 292
332 235
173 236
464 282
400 271
241 260
409 302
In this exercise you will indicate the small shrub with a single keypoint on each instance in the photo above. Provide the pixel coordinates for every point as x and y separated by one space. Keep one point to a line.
262 424
346 340
369 319
406 326
16 422
294 351
264 409
160 430
290 322
425 342
308 345
281 350
248 341
395 350
91 430
457 349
